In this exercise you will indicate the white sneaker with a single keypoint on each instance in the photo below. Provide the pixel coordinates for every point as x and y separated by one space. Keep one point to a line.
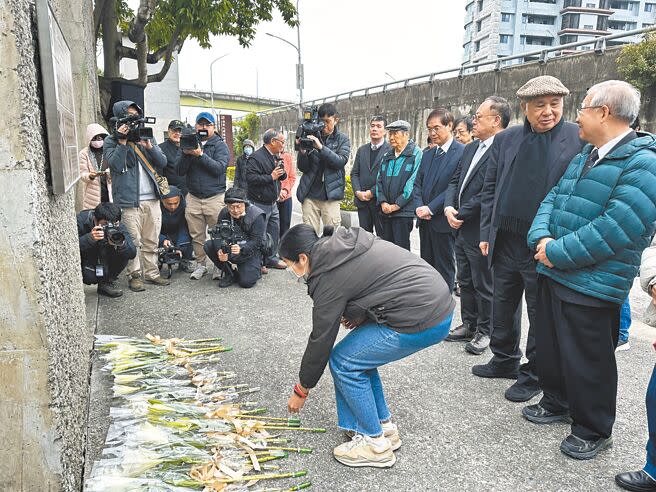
391 432
216 273
366 451
198 272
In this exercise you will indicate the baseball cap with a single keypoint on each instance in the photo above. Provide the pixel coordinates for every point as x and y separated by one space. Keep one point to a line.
205 116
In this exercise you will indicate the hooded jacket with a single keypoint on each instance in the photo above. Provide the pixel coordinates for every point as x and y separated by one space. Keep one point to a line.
326 164
172 222
87 160
123 164
366 279
206 174
601 221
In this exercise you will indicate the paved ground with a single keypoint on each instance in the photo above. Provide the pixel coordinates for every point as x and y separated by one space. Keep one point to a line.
459 432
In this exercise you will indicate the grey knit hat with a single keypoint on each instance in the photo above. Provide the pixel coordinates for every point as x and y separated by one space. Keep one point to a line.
544 85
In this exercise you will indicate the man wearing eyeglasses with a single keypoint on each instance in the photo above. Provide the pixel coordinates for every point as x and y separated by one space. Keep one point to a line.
264 172
589 233
205 171
526 161
171 149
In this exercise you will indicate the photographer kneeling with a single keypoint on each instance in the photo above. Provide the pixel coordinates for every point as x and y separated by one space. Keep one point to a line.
394 303
105 247
238 241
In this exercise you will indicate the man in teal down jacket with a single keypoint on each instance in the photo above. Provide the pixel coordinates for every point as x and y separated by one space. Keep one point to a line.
589 233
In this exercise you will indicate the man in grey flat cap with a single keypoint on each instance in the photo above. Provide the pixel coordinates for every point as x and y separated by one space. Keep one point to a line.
526 161
394 185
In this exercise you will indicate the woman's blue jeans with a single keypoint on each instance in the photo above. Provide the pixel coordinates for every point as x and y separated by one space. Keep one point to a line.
354 363
625 320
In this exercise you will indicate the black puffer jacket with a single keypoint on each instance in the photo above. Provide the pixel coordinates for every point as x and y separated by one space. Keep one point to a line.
328 162
364 278
206 174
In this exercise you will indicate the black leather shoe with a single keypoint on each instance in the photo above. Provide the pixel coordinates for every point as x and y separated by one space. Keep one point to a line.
521 392
226 281
462 333
540 415
582 449
638 481
492 370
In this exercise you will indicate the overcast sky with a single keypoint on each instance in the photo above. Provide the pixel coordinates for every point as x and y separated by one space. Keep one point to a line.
345 45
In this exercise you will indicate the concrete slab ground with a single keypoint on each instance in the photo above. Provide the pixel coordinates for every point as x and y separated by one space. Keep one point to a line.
458 431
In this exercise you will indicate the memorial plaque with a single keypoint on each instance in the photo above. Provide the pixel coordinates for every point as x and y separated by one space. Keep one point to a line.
58 100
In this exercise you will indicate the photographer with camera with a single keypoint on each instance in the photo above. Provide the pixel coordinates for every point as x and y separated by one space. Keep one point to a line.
136 164
171 149
174 236
105 247
322 155
265 171
237 241
204 161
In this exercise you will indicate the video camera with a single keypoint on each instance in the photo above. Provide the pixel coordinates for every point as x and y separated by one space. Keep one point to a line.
311 125
169 257
227 234
136 123
190 138
113 234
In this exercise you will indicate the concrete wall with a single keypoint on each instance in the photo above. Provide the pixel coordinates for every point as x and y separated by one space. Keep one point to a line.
462 96
44 343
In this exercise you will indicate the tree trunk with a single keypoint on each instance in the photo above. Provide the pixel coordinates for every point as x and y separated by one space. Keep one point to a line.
142 60
111 41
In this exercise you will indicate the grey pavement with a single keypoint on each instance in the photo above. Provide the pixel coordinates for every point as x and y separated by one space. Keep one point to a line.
458 431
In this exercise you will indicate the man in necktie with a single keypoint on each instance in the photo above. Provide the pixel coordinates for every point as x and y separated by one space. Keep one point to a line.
589 233
364 172
436 239
462 208
526 161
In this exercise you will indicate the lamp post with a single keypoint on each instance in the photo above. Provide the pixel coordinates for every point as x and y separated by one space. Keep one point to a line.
212 81
299 65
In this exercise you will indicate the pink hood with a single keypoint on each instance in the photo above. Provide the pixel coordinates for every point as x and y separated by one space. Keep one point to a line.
92 130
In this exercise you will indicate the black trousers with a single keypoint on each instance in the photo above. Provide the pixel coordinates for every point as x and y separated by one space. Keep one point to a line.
272 218
513 274
369 217
437 249
285 211
576 360
248 271
113 264
396 230
475 280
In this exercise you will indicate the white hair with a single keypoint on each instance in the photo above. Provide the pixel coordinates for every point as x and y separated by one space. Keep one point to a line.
621 98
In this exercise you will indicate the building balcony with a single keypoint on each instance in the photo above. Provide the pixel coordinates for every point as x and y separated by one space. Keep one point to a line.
583 32
586 10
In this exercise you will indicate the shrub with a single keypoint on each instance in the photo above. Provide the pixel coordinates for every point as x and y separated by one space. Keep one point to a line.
637 62
348 202
230 173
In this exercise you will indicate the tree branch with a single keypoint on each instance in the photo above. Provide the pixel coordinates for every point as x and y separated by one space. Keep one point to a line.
137 31
98 12
152 58
175 45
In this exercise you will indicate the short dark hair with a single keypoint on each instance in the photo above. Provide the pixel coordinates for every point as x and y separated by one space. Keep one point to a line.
300 239
466 120
327 109
378 117
501 107
107 211
443 114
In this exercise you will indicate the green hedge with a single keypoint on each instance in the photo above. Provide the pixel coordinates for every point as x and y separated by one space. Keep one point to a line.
230 173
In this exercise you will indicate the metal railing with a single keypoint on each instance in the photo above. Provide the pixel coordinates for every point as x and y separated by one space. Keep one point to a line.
599 43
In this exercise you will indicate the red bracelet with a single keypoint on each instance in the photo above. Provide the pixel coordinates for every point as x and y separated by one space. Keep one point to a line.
299 392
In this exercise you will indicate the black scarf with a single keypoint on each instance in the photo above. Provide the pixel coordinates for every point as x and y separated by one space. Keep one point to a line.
527 184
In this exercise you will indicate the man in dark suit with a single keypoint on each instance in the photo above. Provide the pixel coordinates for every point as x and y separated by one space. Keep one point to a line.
462 208
436 239
364 173
526 161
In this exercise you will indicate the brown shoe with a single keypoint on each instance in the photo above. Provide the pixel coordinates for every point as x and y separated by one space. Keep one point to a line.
264 270
136 284
158 281
278 265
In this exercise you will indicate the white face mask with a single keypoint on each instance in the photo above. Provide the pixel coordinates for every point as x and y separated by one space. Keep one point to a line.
248 150
303 276
97 144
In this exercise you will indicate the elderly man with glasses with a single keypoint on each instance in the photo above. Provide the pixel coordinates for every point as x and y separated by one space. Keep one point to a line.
589 233
526 161
265 171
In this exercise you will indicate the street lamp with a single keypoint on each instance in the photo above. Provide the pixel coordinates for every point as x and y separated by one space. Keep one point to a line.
299 65
212 81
